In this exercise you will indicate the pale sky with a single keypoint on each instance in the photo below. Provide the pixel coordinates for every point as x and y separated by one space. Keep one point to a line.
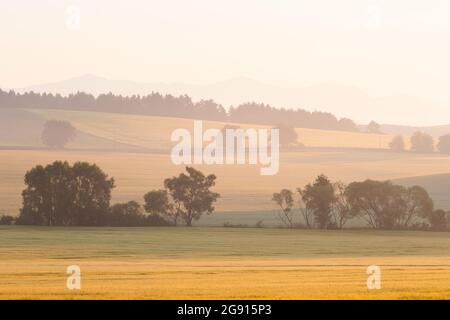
384 47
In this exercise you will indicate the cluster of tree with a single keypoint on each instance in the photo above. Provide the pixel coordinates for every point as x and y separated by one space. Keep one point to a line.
64 195
186 197
382 204
267 115
182 106
421 142
79 195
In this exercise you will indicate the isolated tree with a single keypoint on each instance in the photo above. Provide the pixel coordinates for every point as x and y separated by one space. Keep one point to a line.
397 144
422 142
444 144
438 220
60 194
57 134
285 200
192 195
319 197
288 135
346 124
373 127
157 203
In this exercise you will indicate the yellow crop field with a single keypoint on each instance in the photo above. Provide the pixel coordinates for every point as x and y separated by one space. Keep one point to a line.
221 263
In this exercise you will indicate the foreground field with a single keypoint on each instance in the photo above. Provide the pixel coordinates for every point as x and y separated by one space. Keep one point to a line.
206 263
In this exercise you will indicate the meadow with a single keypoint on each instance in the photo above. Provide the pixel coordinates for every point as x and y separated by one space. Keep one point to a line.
222 263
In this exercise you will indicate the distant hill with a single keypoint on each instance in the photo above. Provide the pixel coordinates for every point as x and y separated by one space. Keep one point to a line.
438 186
435 131
22 128
341 100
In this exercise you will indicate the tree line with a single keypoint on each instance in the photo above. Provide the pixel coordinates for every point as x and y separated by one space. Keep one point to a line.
63 195
156 104
421 142
381 204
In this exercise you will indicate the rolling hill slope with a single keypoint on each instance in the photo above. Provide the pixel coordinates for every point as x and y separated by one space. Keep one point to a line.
438 186
153 133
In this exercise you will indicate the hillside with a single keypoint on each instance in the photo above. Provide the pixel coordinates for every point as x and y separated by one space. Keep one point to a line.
153 133
438 185
135 151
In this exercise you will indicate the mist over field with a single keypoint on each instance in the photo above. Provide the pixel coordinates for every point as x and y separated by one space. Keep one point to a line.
225 149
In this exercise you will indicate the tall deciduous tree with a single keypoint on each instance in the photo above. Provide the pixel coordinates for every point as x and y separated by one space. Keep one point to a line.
285 200
192 195
319 197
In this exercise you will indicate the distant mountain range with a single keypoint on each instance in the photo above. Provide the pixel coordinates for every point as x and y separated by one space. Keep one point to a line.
341 100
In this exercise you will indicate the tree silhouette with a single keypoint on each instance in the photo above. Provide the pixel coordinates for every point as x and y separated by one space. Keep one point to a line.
319 198
182 106
57 134
438 220
288 135
422 142
444 144
285 200
397 144
60 194
157 203
192 195
373 127
388 206
129 214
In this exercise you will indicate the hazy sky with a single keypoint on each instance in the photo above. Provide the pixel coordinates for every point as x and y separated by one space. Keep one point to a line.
385 47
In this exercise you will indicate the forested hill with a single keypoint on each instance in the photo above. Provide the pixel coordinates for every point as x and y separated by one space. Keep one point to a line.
182 106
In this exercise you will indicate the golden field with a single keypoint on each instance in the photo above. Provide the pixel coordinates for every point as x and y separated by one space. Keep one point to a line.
222 263
241 186
154 132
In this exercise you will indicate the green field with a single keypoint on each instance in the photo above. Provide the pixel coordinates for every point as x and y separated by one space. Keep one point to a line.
202 263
